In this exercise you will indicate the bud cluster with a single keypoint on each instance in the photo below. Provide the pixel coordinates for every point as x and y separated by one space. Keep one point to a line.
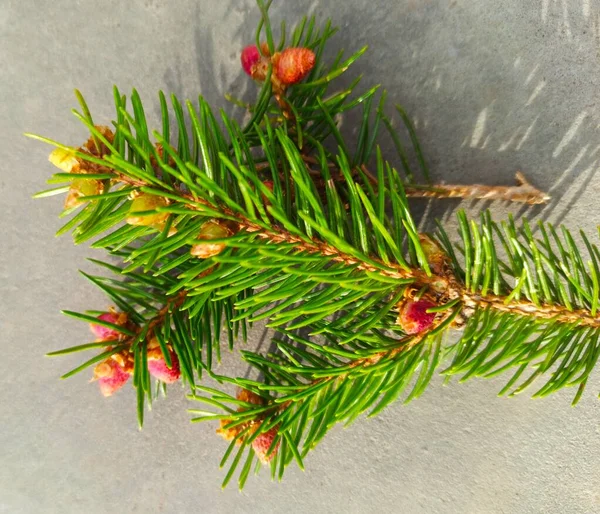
113 373
68 162
262 443
289 66
414 316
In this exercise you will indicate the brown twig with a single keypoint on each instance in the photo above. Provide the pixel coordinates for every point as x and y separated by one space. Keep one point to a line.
523 192
280 236
174 302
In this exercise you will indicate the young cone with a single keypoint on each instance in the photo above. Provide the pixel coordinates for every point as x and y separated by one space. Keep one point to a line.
249 57
157 366
110 376
414 318
230 433
436 257
81 187
104 333
146 202
262 444
64 160
293 64
211 230
249 397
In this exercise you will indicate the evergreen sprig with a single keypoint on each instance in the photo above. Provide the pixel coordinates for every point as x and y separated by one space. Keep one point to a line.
315 236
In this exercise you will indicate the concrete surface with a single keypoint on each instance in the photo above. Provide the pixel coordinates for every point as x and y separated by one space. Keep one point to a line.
494 86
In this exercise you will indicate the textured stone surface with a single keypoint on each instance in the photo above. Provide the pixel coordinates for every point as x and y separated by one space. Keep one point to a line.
494 86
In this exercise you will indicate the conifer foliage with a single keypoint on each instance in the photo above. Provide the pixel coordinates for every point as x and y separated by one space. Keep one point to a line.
219 224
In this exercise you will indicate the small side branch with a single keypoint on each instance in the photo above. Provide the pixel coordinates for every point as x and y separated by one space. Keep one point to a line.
523 192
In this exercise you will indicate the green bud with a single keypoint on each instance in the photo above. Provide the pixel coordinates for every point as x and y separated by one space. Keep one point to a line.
146 202
81 187
208 231
64 160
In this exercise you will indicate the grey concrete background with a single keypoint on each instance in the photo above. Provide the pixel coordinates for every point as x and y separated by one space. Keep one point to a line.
494 86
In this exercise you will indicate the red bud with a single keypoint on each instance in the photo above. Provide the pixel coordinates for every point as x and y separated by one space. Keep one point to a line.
250 56
414 318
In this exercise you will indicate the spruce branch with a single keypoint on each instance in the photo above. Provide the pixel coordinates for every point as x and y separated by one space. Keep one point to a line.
218 225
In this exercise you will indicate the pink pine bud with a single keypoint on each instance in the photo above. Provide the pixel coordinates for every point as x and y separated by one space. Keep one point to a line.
111 377
414 318
157 365
106 333
250 56
262 444
158 369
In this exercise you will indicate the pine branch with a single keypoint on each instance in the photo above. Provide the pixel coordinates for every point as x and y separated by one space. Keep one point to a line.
222 225
492 343
302 412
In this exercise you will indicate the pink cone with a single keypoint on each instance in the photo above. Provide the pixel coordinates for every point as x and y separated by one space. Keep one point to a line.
414 317
250 56
105 333
111 377
262 444
158 368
